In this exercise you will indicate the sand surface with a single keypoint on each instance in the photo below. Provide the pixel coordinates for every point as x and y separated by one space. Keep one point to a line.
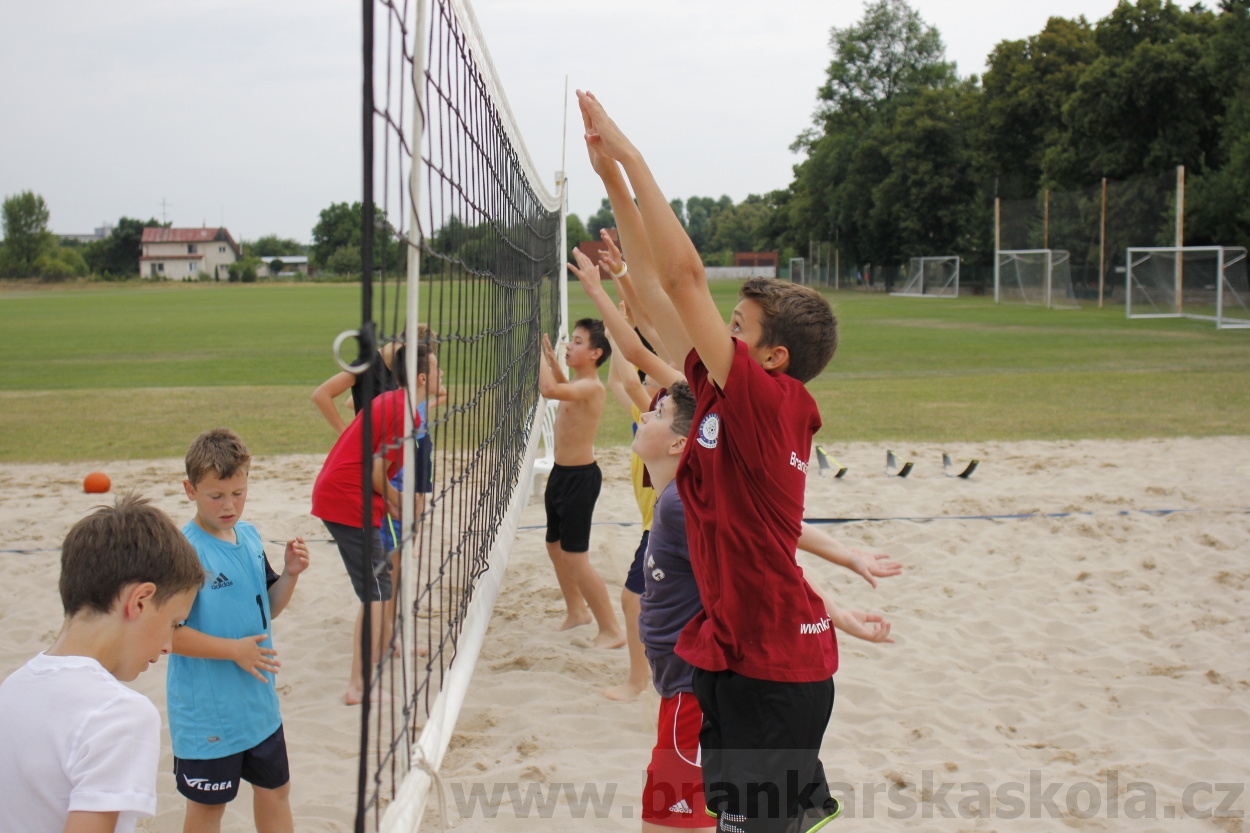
1082 671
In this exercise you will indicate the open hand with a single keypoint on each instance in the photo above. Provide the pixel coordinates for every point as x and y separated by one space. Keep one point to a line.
586 272
870 627
873 565
253 658
611 260
602 134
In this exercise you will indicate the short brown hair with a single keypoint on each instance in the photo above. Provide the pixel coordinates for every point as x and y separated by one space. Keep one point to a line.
131 541
598 338
797 318
219 452
682 408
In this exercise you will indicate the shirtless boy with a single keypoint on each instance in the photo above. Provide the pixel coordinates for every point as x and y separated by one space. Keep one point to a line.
573 486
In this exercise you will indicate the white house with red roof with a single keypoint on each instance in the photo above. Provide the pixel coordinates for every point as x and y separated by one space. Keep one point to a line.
186 254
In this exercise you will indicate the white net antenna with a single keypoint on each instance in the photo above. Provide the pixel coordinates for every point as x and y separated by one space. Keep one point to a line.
1034 276
932 277
1207 283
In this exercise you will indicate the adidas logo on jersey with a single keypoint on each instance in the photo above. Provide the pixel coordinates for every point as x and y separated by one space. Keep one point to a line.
680 807
222 581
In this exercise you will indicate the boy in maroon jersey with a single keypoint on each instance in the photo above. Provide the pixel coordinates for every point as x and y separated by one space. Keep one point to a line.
763 648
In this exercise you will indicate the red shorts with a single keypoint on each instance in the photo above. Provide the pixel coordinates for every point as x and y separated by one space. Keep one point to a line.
673 796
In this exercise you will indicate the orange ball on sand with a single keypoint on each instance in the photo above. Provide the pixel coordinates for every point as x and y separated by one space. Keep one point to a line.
96 483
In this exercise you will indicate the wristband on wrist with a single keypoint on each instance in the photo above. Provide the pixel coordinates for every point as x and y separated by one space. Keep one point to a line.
620 274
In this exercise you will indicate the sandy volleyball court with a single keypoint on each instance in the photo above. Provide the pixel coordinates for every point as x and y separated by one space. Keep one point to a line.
1085 671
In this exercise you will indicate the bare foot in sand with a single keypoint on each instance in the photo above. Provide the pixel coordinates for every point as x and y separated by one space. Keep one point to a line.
624 692
355 696
609 639
576 620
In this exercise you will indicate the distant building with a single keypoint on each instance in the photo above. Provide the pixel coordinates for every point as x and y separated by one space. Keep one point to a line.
291 265
184 254
99 234
596 248
756 259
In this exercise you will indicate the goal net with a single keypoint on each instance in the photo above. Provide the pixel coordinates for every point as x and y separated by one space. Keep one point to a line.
462 250
1208 283
932 277
798 270
1034 276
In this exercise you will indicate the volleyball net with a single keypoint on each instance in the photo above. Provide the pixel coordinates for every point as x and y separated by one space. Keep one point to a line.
462 259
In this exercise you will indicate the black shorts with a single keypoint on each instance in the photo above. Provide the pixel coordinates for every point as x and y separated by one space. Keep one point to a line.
216 780
761 748
635 582
371 586
570 500
424 464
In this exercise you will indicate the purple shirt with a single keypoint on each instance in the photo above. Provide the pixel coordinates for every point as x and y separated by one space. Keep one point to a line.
672 596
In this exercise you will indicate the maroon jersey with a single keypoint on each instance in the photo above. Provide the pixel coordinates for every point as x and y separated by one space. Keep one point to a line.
336 493
742 478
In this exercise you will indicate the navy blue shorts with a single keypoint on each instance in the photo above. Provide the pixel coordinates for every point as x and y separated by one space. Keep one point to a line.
216 780
635 581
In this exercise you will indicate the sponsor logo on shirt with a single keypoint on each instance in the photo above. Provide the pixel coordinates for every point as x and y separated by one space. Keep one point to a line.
206 786
680 807
801 465
709 431
814 627
222 581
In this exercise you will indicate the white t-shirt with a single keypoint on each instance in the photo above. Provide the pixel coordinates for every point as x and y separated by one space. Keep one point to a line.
73 738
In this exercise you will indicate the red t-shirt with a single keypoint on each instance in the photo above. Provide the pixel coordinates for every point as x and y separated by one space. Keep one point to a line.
336 494
742 478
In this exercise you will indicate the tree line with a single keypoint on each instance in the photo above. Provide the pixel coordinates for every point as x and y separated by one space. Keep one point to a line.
905 157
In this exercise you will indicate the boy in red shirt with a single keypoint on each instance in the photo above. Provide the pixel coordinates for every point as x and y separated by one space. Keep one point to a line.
763 648
336 501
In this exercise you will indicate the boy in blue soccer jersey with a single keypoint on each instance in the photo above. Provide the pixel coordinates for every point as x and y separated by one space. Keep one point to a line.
223 709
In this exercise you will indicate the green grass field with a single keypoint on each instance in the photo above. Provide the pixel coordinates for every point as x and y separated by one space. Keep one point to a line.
136 370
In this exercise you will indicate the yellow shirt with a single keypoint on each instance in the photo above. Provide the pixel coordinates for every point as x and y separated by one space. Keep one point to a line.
645 495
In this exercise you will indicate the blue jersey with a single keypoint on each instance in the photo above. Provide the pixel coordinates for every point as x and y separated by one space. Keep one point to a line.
215 707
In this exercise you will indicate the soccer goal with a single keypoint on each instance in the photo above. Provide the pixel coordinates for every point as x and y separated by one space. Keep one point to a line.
932 277
798 271
1034 276
463 254
1208 283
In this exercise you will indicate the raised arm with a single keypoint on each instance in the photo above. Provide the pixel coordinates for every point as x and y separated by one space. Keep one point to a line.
677 263
623 380
649 301
630 344
614 264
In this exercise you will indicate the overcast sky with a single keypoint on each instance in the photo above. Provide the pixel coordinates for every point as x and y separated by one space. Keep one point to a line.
245 113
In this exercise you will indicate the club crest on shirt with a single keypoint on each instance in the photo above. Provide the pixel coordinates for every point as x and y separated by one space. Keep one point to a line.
709 431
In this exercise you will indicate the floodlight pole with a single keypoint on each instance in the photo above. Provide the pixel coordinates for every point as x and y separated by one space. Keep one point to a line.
1102 245
1180 237
1046 219
998 235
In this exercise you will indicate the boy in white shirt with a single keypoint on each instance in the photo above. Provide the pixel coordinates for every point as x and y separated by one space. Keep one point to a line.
79 750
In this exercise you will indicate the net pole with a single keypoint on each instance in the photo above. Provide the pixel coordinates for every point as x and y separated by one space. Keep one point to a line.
416 174
366 349
1102 245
